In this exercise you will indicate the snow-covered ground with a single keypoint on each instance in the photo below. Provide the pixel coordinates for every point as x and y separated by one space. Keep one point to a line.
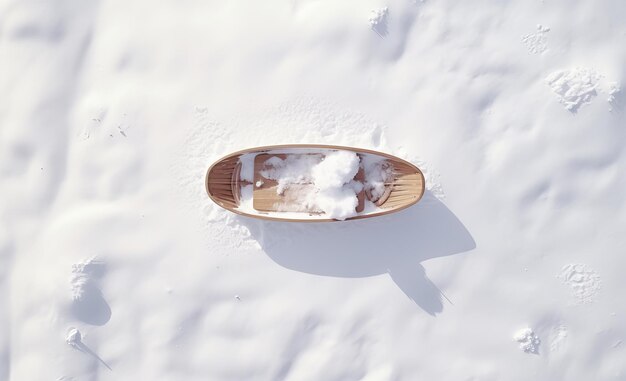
115 265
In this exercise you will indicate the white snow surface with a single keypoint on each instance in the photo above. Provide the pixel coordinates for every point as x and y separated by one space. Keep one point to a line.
112 112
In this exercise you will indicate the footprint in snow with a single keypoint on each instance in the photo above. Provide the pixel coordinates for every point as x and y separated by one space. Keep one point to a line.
583 281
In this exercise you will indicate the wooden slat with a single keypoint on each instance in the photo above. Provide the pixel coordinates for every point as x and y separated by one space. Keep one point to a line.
265 198
224 194
402 192
405 181
401 199
222 186
228 205
221 182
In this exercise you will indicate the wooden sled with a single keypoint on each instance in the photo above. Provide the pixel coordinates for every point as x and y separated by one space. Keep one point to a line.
224 182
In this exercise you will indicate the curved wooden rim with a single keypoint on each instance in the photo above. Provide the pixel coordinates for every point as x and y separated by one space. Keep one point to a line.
319 146
235 186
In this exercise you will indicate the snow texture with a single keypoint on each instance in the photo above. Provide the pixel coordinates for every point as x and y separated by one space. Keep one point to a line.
294 169
88 303
528 340
574 87
582 280
614 94
378 172
84 274
537 42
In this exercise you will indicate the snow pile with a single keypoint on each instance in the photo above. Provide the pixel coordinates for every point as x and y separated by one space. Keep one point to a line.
336 189
574 87
378 172
293 169
73 338
331 176
336 169
528 340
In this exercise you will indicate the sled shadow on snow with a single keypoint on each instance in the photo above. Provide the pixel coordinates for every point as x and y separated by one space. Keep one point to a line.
394 244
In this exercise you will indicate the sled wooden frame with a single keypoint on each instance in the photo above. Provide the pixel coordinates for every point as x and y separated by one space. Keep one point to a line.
224 186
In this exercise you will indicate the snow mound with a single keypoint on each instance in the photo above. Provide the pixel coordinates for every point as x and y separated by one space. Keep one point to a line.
337 168
528 340
73 337
574 87
336 190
